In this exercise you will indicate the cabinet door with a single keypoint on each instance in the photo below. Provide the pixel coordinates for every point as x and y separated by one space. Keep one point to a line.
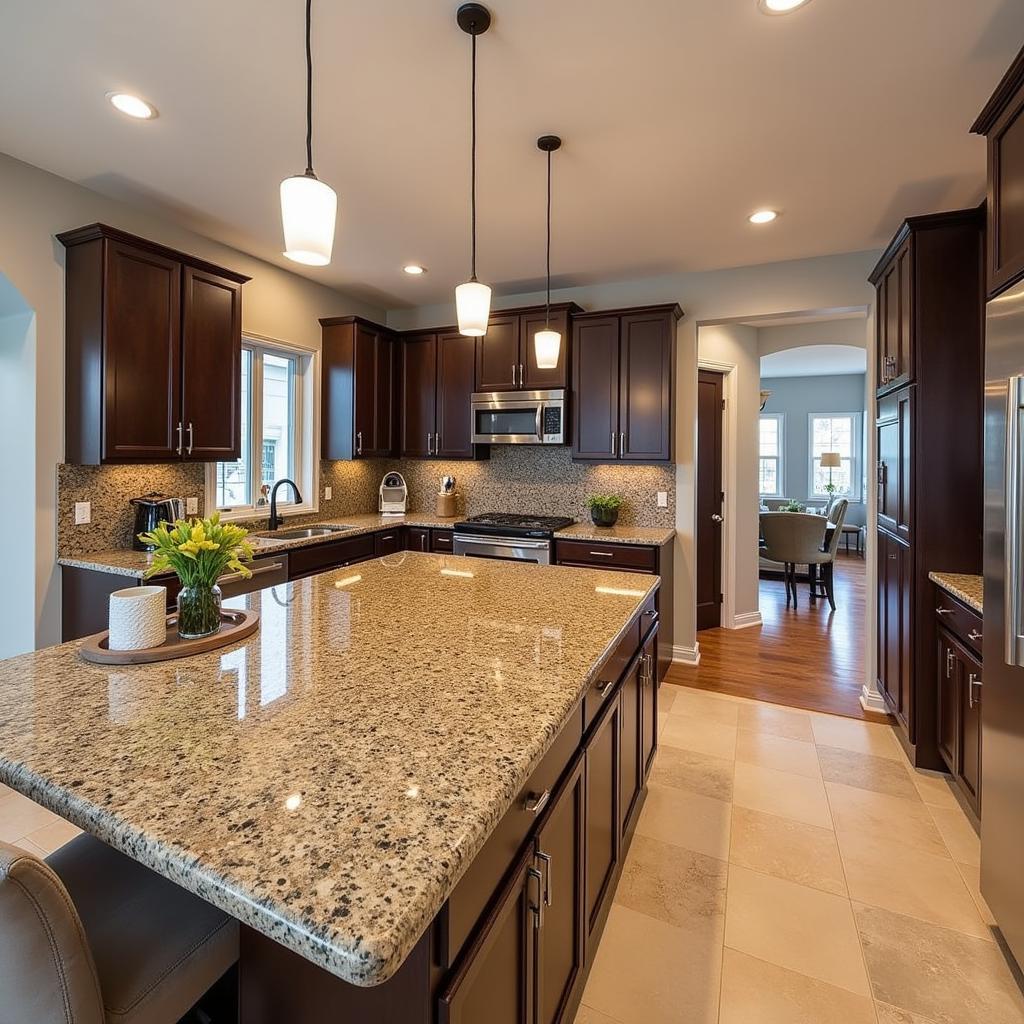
882 653
535 378
904 345
497 361
645 377
1006 197
364 386
559 849
948 670
595 399
904 593
630 768
881 334
442 541
142 355
969 762
418 539
495 980
387 543
419 377
894 626
456 359
649 708
894 430
602 844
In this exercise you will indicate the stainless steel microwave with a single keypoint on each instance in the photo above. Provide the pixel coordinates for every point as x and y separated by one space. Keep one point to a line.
519 417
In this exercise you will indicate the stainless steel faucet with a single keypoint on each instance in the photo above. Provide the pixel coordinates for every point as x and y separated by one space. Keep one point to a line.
275 519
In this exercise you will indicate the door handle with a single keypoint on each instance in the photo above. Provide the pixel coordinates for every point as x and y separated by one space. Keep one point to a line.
545 859
613 444
514 375
605 688
359 442
975 636
181 443
1012 653
536 804
537 909
716 518
190 439
622 444
520 374
429 435
972 682
949 664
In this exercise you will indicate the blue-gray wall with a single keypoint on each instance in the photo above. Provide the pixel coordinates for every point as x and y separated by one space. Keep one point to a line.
796 398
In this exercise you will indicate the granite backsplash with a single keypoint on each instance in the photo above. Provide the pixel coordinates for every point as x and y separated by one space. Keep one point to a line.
528 479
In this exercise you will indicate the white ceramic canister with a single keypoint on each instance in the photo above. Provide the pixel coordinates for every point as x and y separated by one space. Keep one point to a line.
138 618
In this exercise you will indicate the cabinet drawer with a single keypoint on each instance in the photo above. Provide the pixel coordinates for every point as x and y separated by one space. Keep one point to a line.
474 891
963 622
321 557
442 540
387 543
609 556
603 684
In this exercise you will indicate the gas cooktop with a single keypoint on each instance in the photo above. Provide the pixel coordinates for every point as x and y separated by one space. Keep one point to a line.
506 524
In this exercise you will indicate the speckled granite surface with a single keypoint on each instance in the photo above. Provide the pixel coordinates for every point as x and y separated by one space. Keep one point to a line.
616 534
328 780
969 589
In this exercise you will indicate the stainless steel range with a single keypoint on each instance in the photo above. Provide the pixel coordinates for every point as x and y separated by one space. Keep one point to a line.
509 537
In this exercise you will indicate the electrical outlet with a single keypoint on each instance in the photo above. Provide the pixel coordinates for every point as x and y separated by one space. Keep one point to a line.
327 493
662 499
191 506
83 513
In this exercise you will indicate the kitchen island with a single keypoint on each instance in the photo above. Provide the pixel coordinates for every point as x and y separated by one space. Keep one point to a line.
360 782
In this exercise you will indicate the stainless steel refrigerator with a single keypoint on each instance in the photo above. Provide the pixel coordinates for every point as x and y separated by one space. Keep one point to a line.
1002 708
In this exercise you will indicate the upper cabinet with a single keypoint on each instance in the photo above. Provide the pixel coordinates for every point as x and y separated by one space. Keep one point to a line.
506 359
358 380
623 382
153 348
1002 123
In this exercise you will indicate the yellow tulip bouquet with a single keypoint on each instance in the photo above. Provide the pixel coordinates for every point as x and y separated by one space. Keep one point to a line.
198 551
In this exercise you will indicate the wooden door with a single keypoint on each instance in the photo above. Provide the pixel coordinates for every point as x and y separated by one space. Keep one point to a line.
948 672
905 476
495 979
968 767
649 707
902 557
418 390
535 378
1006 196
881 334
456 362
895 447
384 397
418 538
364 387
559 848
498 362
904 342
630 727
709 499
142 356
647 346
888 609
387 543
602 845
595 399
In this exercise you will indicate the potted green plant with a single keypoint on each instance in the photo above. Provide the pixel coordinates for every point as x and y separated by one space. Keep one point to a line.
793 506
604 509
198 551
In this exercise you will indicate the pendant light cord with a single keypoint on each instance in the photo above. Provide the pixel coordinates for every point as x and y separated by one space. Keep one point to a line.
547 305
309 91
472 162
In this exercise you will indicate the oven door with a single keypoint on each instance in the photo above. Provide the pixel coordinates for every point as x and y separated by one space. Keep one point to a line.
525 417
508 549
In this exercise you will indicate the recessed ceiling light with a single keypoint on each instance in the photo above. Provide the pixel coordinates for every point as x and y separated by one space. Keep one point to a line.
762 217
780 6
415 269
133 106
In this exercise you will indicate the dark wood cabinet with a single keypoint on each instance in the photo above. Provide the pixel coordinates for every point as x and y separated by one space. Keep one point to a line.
648 705
141 323
357 389
630 763
928 432
388 542
506 356
418 395
949 698
417 538
333 554
1002 123
603 816
442 541
623 381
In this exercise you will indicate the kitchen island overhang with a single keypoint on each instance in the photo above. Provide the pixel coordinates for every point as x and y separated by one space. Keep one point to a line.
330 781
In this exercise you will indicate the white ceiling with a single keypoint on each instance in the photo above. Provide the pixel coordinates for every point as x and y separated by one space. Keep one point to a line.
680 117
814 361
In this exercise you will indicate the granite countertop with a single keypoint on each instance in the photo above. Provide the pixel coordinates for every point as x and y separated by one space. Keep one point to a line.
328 780
968 589
135 563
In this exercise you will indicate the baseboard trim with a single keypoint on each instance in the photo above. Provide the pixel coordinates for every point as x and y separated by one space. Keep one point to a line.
746 620
686 655
872 700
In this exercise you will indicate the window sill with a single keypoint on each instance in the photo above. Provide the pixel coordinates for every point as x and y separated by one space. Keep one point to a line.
248 515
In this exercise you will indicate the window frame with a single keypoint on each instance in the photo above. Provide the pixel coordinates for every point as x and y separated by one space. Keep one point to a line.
856 455
305 426
780 419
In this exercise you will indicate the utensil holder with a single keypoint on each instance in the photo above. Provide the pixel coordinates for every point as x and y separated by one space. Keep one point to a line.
138 618
446 506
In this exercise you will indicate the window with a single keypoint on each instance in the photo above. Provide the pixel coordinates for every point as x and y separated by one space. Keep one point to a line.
834 433
277 433
770 465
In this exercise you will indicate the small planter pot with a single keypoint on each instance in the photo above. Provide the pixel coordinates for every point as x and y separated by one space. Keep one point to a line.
604 516
198 611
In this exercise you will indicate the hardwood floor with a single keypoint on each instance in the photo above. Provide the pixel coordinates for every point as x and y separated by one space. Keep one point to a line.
808 657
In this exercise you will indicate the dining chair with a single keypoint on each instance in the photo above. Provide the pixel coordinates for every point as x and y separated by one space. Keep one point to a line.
90 936
826 581
793 538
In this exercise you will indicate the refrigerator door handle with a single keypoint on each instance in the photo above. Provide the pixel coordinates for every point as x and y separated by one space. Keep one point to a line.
1013 653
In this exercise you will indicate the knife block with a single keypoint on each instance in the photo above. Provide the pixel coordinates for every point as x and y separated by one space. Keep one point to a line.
446 506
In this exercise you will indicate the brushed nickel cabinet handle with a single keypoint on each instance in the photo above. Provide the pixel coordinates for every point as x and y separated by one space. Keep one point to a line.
536 804
359 442
181 442
603 689
974 635
972 682
602 554
190 439
943 611
545 859
537 909
949 664
622 444
613 444
429 436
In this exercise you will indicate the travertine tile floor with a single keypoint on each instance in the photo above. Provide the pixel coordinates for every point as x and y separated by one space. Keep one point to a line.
789 867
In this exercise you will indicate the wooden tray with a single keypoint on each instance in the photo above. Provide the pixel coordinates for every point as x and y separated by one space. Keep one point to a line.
237 625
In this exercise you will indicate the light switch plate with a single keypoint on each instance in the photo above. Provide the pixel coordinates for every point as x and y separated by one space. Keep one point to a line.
327 493
83 513
662 499
191 506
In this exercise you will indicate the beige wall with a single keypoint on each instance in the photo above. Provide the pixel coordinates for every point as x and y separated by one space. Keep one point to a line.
34 206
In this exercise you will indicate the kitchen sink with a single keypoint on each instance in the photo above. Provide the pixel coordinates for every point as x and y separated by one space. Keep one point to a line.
302 534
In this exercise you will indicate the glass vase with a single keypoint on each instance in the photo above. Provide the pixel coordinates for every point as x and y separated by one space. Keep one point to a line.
198 611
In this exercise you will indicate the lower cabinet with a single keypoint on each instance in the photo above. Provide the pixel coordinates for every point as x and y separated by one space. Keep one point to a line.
387 543
630 764
442 541
649 705
895 630
417 538
603 816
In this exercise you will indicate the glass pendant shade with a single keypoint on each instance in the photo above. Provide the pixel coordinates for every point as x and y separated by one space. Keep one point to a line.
309 208
473 308
546 346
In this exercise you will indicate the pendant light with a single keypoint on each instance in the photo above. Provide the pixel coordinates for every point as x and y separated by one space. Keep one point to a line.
547 344
309 206
473 299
